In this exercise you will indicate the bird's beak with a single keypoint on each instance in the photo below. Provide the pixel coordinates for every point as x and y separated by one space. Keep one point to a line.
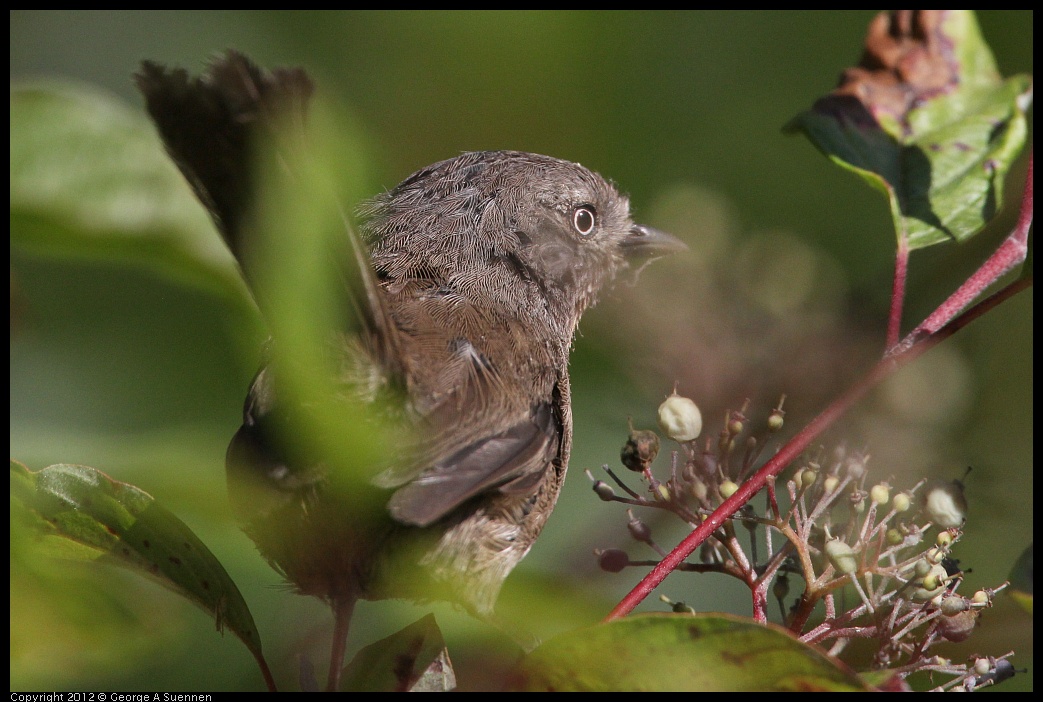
645 242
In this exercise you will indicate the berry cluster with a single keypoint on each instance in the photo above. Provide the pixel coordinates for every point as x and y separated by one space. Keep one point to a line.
833 528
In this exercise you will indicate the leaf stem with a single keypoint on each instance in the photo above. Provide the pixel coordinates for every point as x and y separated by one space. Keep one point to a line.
894 317
1010 253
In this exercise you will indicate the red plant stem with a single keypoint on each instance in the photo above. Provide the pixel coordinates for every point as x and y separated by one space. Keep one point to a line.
760 600
894 317
1009 254
940 325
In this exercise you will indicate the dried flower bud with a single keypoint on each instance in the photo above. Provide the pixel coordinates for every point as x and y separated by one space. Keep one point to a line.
831 483
604 490
677 607
1003 670
958 627
640 450
776 420
612 560
808 477
680 418
638 529
902 502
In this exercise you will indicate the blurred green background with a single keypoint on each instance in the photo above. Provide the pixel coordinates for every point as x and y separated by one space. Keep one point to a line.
141 374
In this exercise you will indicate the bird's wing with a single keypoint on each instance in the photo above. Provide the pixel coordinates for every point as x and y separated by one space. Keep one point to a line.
512 461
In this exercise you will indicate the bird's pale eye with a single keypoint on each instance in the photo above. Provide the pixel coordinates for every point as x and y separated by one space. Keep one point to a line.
584 220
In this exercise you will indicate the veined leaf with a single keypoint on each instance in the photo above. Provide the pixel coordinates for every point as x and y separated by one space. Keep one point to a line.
925 118
84 514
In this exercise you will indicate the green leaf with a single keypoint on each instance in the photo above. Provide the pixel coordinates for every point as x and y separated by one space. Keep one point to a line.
414 659
82 513
300 272
89 178
926 119
672 652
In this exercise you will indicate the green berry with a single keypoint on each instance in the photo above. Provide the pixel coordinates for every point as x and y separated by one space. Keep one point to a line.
841 556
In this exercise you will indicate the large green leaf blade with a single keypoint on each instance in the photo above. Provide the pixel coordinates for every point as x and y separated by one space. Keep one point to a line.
89 178
82 513
669 652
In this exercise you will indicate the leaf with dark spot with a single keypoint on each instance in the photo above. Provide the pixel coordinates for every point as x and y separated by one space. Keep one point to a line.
926 118
112 522
414 659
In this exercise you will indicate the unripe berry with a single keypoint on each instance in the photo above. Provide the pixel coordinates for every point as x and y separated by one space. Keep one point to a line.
728 489
880 493
931 584
680 418
841 556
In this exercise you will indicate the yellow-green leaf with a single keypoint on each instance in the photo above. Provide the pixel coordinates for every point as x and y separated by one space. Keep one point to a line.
82 513
675 652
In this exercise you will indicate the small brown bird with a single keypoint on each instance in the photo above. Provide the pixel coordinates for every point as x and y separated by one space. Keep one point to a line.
479 270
